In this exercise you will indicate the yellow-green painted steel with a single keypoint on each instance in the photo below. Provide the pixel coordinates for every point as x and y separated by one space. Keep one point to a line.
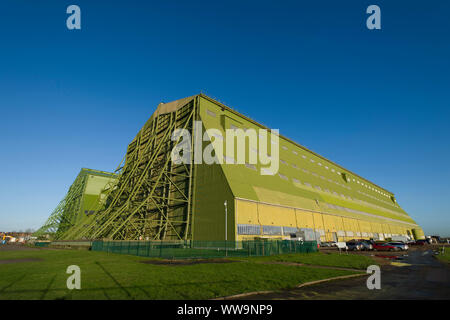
82 200
155 199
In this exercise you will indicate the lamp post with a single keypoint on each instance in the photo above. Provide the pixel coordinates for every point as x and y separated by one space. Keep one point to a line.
226 236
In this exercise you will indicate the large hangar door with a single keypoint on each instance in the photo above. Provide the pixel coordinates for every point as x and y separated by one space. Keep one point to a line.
335 237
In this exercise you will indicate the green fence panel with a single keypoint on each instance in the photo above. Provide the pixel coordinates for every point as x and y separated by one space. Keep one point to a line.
41 244
204 249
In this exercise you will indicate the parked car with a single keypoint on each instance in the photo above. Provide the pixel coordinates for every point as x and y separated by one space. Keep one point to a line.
381 246
354 245
364 243
401 245
368 245
328 244
420 243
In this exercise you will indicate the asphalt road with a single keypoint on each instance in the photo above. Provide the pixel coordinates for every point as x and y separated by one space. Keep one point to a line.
425 278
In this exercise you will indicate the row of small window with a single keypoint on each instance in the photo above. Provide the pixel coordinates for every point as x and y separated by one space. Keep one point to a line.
339 173
375 198
379 207
361 201
323 178
334 192
334 206
316 187
282 176
372 188
354 180
350 198
313 161
342 195
252 229
232 126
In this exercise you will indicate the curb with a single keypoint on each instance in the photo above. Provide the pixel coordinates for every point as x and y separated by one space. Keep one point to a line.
441 261
298 286
330 279
312 266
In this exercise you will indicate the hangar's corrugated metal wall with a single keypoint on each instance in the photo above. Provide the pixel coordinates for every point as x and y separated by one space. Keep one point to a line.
157 199
308 191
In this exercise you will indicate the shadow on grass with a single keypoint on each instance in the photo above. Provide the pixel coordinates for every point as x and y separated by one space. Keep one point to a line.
48 288
115 281
12 283
149 291
120 287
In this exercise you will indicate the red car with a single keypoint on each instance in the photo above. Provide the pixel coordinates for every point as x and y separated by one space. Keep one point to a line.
419 243
384 247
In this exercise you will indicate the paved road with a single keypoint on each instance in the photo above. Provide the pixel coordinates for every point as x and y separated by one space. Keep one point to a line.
426 278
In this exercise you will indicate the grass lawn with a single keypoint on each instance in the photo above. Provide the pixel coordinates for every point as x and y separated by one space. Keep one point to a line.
115 276
446 256
318 258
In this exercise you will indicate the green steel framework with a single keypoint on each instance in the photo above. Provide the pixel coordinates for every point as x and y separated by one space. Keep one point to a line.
152 198
68 212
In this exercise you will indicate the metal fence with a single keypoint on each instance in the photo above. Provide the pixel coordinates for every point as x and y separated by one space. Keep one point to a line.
42 244
204 249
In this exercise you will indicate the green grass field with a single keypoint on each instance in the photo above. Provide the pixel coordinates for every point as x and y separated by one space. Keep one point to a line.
114 276
446 256
321 259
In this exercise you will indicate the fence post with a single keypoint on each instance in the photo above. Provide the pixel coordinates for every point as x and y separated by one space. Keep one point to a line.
226 248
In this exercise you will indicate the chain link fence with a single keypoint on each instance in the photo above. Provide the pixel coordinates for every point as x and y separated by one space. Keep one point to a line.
204 249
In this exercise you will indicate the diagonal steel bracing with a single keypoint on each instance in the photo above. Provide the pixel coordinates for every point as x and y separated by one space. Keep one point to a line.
66 213
152 198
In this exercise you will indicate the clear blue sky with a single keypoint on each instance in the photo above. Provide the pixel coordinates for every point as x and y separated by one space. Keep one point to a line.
376 102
